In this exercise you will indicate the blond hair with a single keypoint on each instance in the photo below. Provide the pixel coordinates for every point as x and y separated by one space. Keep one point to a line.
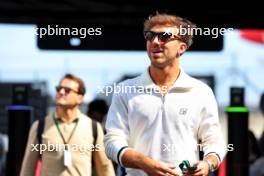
171 20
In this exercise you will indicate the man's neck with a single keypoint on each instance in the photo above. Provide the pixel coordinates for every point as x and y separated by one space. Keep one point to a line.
165 76
67 114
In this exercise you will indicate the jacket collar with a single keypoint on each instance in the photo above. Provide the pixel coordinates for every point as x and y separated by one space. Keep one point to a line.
184 81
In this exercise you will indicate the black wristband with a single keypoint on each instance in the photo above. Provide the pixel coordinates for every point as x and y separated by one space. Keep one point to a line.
118 154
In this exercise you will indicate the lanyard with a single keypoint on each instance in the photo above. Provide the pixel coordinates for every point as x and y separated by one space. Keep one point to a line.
58 128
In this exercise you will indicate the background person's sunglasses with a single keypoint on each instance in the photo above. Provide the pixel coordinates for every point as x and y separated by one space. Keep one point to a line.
162 36
66 89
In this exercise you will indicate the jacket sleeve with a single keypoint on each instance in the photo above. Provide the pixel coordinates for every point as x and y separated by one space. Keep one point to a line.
117 129
209 131
104 166
31 155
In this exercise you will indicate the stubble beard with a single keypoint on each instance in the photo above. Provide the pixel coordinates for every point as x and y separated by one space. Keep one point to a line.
162 65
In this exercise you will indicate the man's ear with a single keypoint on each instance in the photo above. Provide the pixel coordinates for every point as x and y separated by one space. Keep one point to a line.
182 48
80 99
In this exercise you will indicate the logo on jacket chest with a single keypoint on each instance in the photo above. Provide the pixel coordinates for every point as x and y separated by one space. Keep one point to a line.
183 111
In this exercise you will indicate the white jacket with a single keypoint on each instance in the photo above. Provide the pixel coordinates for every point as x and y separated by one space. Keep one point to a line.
166 128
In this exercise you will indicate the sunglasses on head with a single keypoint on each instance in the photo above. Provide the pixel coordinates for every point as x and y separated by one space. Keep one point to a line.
66 89
162 36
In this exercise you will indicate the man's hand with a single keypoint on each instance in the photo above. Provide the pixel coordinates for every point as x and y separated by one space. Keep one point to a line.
156 168
201 170
134 159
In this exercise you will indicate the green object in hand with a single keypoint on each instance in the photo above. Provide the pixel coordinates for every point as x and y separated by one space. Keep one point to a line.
186 167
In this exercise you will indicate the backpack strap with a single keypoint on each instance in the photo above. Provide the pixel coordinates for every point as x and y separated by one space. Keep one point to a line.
95 134
94 127
40 130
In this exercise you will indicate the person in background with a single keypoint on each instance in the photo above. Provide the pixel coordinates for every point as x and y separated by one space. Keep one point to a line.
68 147
254 151
97 110
3 152
256 168
261 140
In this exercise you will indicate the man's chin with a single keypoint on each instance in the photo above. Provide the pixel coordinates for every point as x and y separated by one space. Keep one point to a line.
158 63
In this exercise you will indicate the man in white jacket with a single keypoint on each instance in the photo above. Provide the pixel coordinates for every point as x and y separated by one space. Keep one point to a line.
157 119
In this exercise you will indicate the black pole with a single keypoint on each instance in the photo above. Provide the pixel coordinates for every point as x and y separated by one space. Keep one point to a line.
19 120
237 160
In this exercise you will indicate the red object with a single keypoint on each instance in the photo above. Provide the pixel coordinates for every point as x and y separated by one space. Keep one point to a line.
38 168
222 168
253 35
